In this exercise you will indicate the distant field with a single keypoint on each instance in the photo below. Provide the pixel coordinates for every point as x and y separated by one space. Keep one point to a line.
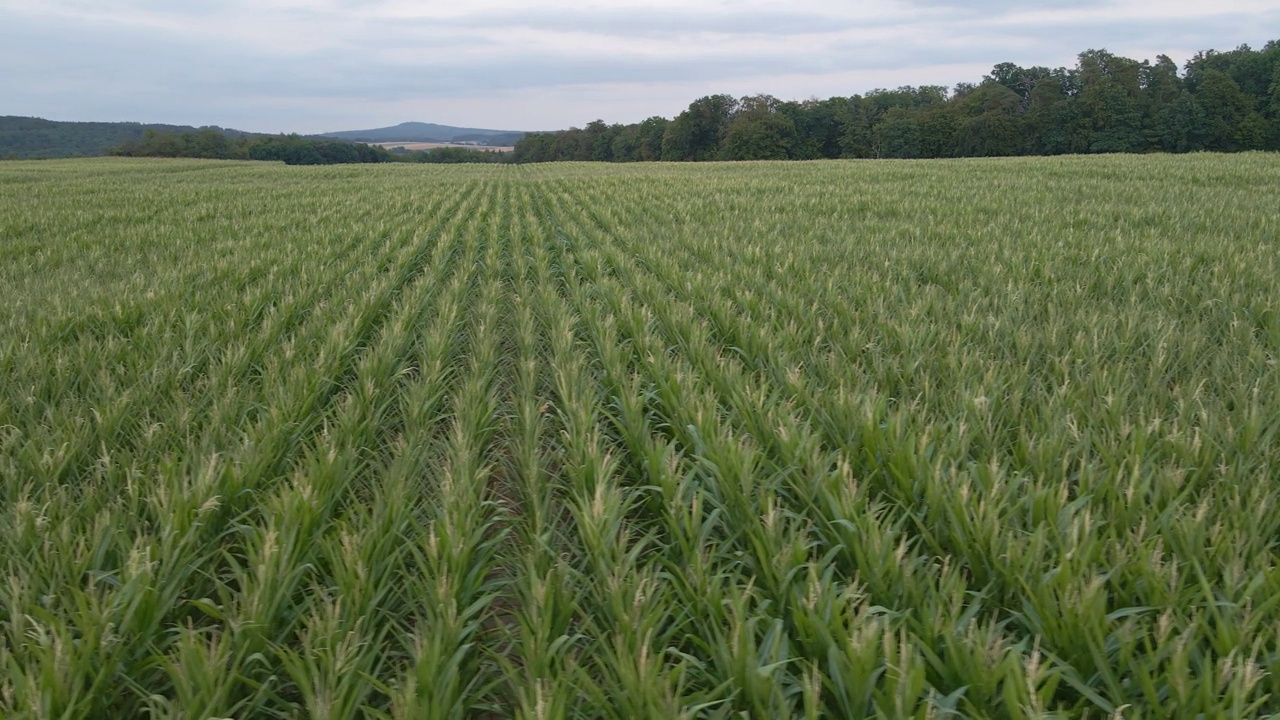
989 438
432 146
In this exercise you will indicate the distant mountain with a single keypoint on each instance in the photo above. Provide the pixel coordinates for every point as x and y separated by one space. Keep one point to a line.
430 132
27 137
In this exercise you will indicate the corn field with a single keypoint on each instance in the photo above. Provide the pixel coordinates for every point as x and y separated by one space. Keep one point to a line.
988 439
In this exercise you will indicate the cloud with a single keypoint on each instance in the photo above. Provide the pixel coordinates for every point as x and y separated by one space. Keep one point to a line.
982 7
312 65
649 23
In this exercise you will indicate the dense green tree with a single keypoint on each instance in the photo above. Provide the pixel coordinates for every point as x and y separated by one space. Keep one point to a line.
1022 81
640 142
652 131
697 132
213 144
208 143
856 120
898 134
597 141
804 136
457 155
1252 71
535 147
1273 96
1180 125
1110 102
1240 114
816 128
1270 107
759 130
1162 89
626 144
1049 118
574 144
1105 103
990 124
939 130
1225 108
23 137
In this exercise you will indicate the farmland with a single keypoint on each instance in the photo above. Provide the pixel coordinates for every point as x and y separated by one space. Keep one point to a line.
434 145
988 438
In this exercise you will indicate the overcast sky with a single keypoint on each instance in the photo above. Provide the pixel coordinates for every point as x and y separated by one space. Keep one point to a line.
318 65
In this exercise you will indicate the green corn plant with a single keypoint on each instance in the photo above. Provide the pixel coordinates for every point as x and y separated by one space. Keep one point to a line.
992 438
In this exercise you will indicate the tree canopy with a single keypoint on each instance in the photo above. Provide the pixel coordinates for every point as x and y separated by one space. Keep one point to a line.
1220 101
213 144
27 137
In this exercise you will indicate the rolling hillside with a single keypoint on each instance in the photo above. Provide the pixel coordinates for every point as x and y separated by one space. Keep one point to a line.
430 132
28 137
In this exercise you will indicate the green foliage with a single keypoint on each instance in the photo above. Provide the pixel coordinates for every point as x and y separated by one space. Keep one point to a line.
214 145
640 142
758 131
1226 107
988 438
898 134
697 133
454 156
23 137
990 122
1105 104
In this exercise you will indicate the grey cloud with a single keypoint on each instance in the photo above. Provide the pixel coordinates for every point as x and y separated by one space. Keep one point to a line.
985 7
1029 42
633 21
133 66
642 22
146 60
77 70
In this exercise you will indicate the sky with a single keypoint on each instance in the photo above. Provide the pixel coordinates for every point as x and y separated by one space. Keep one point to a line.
323 65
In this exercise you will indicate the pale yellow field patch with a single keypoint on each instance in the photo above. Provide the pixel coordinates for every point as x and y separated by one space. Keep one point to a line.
432 146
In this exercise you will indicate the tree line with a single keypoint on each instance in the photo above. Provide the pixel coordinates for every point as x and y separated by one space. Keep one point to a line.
1221 101
214 144
28 137
452 155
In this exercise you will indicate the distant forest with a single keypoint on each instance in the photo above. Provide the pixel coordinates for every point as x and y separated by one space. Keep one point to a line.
31 138
28 137
213 144
1222 101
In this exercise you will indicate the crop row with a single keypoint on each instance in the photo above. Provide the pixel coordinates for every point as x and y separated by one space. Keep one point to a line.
989 439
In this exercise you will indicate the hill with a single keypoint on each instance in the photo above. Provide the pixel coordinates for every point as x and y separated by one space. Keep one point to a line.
430 133
28 137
